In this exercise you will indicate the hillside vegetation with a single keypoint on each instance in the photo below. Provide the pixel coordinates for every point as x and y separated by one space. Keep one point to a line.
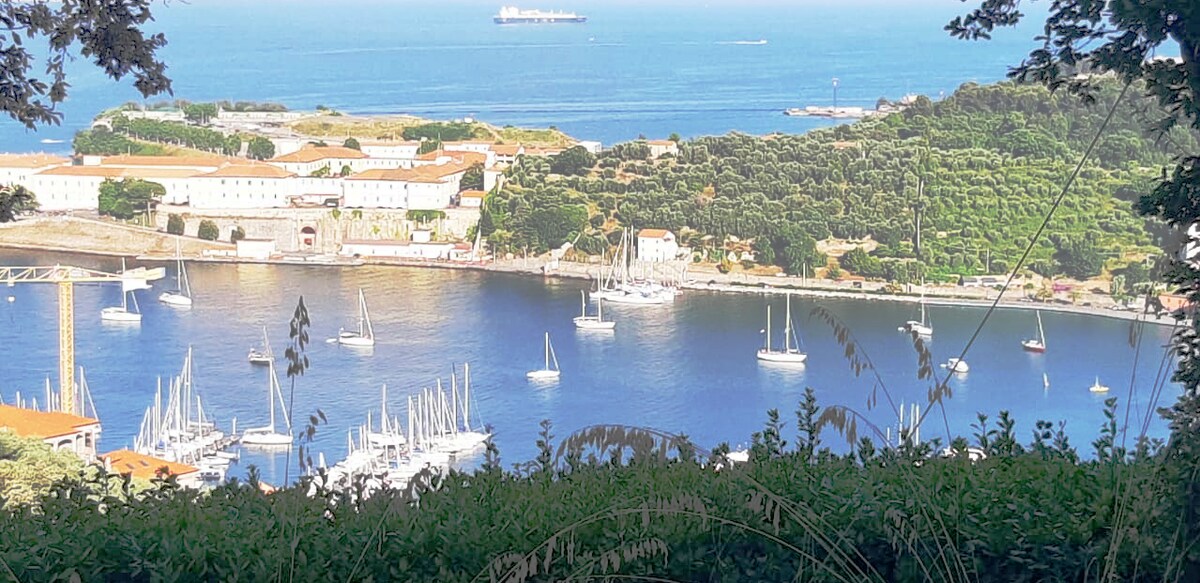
403 127
980 169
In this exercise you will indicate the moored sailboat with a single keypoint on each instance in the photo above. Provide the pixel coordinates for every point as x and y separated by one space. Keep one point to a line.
922 328
365 336
585 322
790 354
182 296
546 373
1036 344
268 435
264 356
123 313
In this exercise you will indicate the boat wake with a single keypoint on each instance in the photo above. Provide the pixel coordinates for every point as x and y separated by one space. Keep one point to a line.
743 42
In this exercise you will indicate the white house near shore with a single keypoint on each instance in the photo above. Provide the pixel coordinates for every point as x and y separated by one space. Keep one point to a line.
656 245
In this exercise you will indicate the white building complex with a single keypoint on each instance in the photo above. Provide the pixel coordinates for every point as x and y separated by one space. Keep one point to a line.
378 177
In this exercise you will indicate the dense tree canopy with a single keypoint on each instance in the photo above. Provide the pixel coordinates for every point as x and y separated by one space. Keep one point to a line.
980 168
128 198
573 160
473 178
260 148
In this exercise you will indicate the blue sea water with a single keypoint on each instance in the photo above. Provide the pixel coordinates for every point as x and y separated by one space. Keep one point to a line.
636 67
685 368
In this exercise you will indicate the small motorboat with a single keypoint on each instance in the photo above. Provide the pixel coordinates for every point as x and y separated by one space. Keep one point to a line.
957 365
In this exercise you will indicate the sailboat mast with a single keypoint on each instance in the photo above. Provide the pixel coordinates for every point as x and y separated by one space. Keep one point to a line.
547 351
1041 333
271 393
466 396
768 340
787 326
411 423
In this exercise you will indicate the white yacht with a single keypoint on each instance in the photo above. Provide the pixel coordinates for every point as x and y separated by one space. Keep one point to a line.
128 310
547 372
264 356
585 322
923 328
957 365
268 435
365 336
182 296
789 354
1036 344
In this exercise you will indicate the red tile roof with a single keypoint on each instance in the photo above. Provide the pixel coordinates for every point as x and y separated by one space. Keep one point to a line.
428 174
315 153
653 233
120 172
198 161
142 466
250 171
30 423
461 157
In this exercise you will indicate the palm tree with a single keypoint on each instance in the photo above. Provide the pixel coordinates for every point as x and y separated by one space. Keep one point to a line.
14 199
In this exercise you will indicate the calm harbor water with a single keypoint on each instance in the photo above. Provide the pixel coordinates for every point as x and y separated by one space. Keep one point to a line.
634 68
686 368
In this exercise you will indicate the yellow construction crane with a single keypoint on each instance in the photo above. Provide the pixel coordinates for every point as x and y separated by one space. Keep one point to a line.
66 277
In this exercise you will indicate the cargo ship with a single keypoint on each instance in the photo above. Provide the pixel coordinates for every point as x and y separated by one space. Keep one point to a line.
514 15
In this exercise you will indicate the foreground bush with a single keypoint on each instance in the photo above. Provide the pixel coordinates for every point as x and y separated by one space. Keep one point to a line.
611 501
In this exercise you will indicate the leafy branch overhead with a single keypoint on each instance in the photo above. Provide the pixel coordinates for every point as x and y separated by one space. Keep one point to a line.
109 34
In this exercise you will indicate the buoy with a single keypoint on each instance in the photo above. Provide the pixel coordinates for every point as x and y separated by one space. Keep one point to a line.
12 299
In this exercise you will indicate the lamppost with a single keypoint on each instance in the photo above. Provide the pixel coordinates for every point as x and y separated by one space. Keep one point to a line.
835 86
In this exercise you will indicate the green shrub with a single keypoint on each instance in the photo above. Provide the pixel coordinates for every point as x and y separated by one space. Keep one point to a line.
208 230
175 224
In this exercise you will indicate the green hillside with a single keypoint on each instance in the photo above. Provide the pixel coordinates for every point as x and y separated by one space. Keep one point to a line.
981 168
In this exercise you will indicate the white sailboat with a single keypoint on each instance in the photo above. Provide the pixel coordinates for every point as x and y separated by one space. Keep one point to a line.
585 322
546 373
790 354
1036 344
264 356
268 435
182 296
178 430
1097 387
123 313
923 327
365 336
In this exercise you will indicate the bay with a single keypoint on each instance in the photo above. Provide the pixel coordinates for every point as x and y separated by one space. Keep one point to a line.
634 68
685 368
